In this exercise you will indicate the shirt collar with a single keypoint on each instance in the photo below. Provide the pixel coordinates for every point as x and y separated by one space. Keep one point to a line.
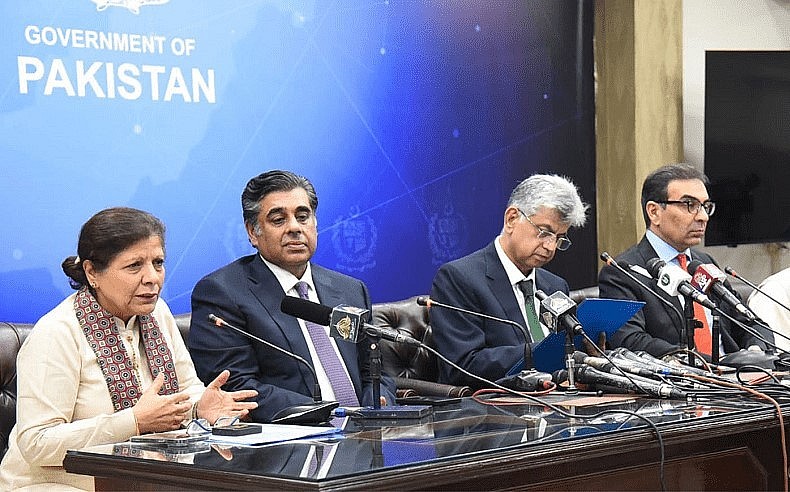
663 249
514 275
287 279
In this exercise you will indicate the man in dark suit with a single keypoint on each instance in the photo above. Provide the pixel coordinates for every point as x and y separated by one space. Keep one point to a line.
676 209
279 215
500 280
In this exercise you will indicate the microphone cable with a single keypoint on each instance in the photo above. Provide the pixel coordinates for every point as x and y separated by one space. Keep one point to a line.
761 396
735 274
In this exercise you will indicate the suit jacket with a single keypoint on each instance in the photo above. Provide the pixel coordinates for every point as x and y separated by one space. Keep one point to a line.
246 294
656 328
478 282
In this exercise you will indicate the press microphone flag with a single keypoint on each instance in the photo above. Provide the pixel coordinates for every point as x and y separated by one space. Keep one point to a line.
709 279
561 308
347 323
673 280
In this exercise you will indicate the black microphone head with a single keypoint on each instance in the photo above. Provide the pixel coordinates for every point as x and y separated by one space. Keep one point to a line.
306 310
423 301
540 295
692 267
559 376
212 318
730 271
606 257
654 266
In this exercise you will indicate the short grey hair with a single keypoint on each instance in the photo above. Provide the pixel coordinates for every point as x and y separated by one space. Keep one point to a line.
552 192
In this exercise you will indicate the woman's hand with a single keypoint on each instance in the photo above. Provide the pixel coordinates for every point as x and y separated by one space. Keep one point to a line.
159 413
217 403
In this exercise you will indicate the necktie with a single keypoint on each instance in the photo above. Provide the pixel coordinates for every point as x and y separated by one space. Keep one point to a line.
702 338
315 461
333 366
529 306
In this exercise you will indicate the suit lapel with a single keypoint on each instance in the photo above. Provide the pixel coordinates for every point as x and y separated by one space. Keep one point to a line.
500 286
268 291
647 252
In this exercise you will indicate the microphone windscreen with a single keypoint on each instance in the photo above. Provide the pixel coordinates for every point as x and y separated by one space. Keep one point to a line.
692 266
654 266
579 357
306 310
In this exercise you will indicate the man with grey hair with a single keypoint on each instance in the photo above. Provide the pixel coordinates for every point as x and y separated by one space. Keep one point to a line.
500 280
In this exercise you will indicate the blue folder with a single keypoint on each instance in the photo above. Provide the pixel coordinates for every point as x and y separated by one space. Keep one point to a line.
596 315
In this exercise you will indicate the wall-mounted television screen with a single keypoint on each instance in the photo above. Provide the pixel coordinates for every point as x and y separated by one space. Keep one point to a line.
747 146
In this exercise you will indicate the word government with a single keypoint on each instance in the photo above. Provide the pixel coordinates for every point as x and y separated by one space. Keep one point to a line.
109 80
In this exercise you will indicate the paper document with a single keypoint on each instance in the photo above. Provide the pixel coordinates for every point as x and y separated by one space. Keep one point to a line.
271 433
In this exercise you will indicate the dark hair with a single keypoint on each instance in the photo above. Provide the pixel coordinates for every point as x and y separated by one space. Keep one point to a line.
107 234
270 182
656 183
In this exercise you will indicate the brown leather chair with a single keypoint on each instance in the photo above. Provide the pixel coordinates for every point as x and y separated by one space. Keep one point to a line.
11 337
415 369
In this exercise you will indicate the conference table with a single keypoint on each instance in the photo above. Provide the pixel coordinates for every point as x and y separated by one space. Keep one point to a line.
485 443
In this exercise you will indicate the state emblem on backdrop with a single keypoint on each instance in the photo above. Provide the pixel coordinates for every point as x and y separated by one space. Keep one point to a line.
447 234
354 240
132 6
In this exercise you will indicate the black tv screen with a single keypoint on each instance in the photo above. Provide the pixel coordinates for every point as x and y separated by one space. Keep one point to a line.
747 146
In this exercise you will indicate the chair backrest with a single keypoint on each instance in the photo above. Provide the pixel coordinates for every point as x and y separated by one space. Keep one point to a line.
401 360
11 337
409 318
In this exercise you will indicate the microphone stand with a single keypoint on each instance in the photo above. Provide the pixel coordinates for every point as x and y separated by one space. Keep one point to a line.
716 336
570 363
375 370
691 324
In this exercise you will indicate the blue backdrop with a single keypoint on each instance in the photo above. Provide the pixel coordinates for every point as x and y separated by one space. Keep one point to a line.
414 120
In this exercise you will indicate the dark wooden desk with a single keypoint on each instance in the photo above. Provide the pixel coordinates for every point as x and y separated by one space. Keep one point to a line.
717 446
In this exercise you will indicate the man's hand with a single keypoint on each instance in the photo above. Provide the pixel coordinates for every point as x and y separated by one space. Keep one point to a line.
595 350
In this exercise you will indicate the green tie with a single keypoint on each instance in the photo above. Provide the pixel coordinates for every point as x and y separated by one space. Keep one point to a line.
529 304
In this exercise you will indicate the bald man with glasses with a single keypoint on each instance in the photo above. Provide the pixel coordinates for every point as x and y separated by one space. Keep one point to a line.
676 209
500 280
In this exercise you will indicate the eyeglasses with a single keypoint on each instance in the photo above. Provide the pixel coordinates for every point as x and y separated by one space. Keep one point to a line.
693 206
549 237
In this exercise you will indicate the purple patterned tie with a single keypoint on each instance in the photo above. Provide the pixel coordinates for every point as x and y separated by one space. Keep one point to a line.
333 366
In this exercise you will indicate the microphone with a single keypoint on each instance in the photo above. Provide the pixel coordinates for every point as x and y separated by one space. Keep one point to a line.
676 367
673 280
589 375
428 302
318 412
758 289
707 277
614 367
345 322
528 380
561 308
623 267
222 323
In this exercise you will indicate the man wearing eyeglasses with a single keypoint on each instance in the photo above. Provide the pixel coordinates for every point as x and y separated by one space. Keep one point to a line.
500 280
676 208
